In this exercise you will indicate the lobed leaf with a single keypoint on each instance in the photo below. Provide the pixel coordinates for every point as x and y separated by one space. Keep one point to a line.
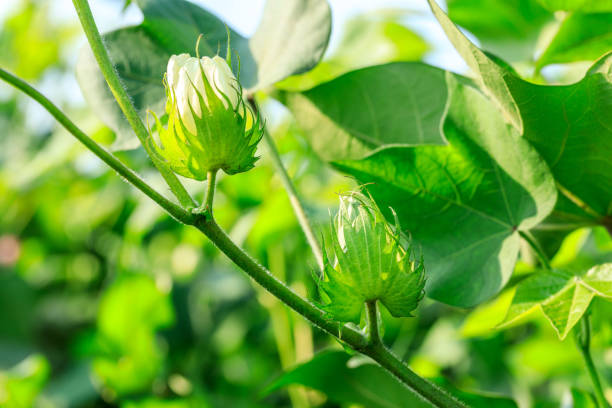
563 297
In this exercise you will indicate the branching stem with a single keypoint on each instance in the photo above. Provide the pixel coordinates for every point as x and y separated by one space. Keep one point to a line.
106 156
123 100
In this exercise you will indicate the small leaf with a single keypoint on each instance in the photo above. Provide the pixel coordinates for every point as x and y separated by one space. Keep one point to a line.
562 296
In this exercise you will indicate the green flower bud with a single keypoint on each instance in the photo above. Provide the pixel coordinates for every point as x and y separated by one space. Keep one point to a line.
371 264
210 127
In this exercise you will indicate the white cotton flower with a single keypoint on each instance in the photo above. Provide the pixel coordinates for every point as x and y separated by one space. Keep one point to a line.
210 127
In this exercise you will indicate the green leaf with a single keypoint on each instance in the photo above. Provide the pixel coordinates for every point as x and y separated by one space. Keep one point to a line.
509 28
291 39
368 39
581 37
569 127
360 382
21 385
463 203
562 296
581 399
566 124
489 76
582 5
338 129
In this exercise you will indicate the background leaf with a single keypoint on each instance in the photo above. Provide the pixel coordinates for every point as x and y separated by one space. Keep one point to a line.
580 37
291 39
352 115
359 381
509 28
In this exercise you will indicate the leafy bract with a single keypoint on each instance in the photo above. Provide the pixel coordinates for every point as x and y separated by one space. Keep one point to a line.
562 296
568 125
463 203
291 39
399 103
371 264
347 381
581 37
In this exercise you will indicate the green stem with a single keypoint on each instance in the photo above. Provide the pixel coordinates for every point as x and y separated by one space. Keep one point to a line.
107 157
294 199
123 100
537 249
211 177
372 323
583 341
207 225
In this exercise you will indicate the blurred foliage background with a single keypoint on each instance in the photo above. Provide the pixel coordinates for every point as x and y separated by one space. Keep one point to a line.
107 302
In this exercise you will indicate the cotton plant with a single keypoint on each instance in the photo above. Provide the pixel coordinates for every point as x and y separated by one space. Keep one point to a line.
470 168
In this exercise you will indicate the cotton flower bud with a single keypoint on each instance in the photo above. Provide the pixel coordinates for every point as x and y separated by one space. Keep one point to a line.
372 262
209 125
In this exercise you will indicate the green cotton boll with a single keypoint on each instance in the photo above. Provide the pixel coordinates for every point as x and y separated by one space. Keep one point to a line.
209 127
370 264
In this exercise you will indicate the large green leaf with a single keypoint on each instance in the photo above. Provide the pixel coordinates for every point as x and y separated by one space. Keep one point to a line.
581 37
463 203
346 381
291 39
398 103
562 296
568 125
509 28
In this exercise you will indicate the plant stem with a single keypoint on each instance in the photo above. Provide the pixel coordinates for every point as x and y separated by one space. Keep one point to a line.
536 248
294 199
123 100
211 177
583 341
372 323
107 157
207 225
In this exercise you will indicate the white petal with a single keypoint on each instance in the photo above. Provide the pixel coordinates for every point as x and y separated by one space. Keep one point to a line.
183 90
225 80
174 65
